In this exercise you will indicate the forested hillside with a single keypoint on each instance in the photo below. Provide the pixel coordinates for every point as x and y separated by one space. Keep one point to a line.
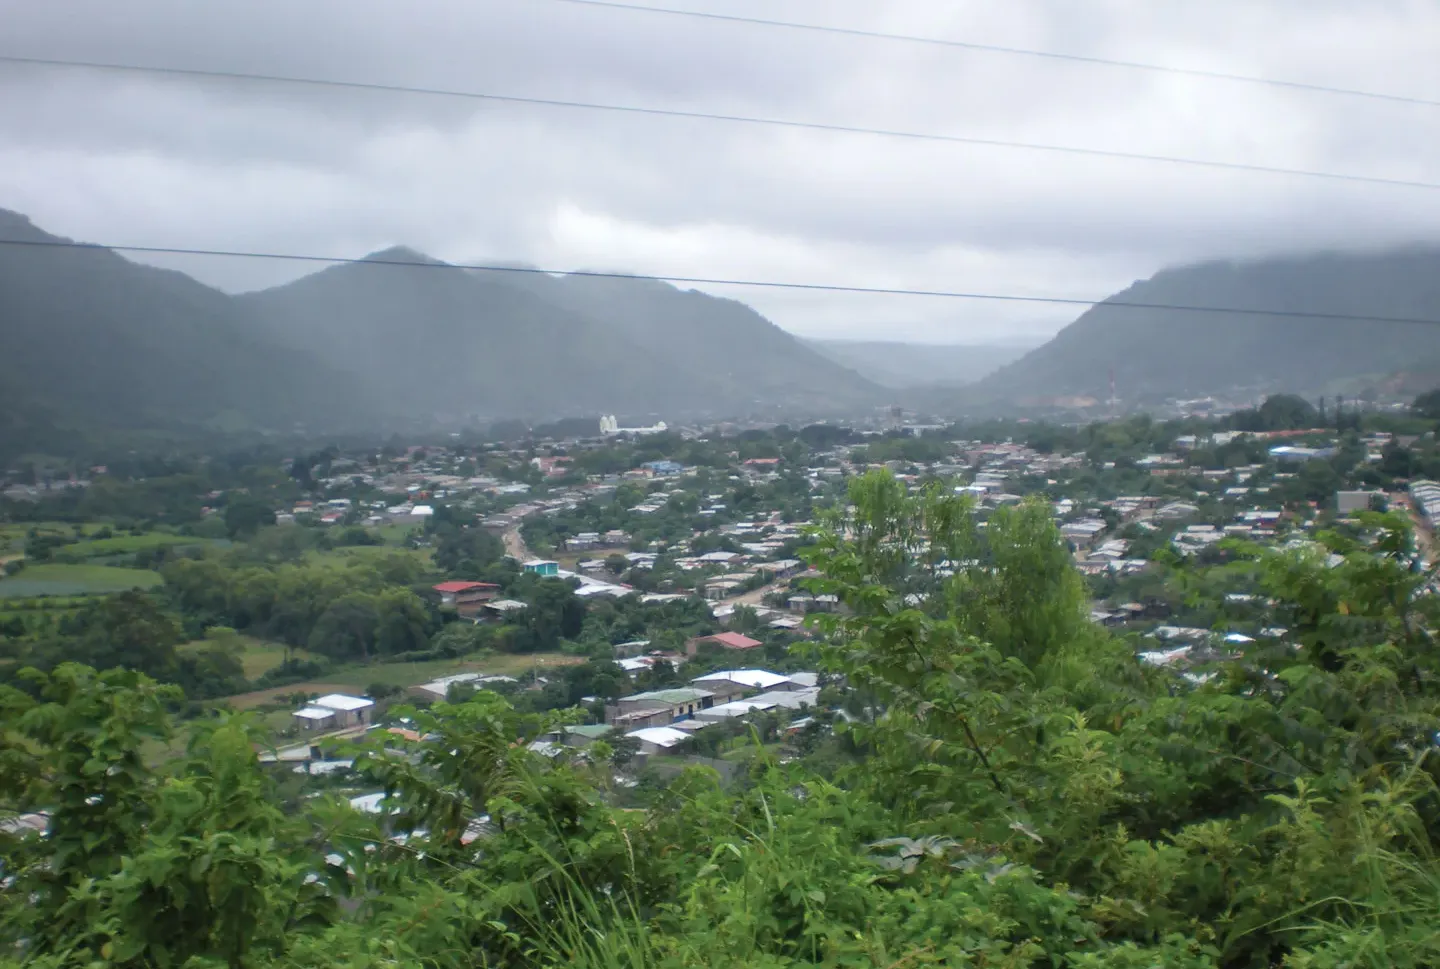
433 340
1174 353
91 340
502 343
722 349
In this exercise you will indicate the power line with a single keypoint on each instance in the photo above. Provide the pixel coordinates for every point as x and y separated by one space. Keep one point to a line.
712 116
718 281
1017 51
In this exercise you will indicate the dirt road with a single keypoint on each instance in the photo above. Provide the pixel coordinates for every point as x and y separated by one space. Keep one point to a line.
515 545
1424 539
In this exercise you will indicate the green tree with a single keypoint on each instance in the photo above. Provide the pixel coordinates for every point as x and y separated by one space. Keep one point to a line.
402 623
347 628
245 515
467 551
130 630
553 613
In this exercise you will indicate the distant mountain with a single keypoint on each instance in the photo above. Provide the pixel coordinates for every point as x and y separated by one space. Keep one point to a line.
90 339
732 359
900 365
427 339
439 341
1160 353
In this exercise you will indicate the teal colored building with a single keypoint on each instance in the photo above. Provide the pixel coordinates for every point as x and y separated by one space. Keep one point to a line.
542 567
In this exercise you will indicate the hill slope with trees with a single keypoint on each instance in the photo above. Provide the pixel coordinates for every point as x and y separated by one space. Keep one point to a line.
1176 353
724 349
90 339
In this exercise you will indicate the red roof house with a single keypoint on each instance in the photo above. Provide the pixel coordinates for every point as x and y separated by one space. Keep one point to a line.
728 640
466 597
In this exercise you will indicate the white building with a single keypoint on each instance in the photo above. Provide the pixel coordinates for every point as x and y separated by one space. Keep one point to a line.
334 711
609 427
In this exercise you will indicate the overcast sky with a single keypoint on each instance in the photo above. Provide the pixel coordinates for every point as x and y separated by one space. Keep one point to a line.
166 161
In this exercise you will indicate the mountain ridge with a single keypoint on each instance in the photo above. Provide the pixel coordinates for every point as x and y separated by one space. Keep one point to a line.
91 338
1158 353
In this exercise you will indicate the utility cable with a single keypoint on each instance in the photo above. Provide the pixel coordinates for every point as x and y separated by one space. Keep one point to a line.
1015 51
719 281
713 116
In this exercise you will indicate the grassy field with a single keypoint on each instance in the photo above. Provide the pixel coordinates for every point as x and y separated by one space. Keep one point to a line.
93 551
353 554
49 579
17 531
355 679
256 655
121 544
395 533
260 656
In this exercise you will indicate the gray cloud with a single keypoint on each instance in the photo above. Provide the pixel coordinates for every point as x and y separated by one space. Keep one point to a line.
152 160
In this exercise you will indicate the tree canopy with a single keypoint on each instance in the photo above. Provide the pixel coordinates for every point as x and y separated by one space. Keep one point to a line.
1007 786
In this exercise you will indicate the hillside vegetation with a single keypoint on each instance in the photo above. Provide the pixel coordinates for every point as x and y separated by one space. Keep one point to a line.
91 343
1174 353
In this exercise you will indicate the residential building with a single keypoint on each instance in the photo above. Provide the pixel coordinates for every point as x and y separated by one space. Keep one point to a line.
500 608
729 684
439 689
585 734
1177 510
334 711
1083 533
542 567
729 640
1347 502
466 598
658 740
658 707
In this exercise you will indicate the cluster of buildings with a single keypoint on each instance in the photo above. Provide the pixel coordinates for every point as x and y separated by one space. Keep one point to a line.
664 719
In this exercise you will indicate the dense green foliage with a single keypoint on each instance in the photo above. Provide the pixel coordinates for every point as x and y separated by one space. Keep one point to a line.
1009 788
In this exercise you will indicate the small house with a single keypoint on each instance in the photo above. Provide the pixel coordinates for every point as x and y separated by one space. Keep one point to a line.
729 640
466 598
334 711
658 740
